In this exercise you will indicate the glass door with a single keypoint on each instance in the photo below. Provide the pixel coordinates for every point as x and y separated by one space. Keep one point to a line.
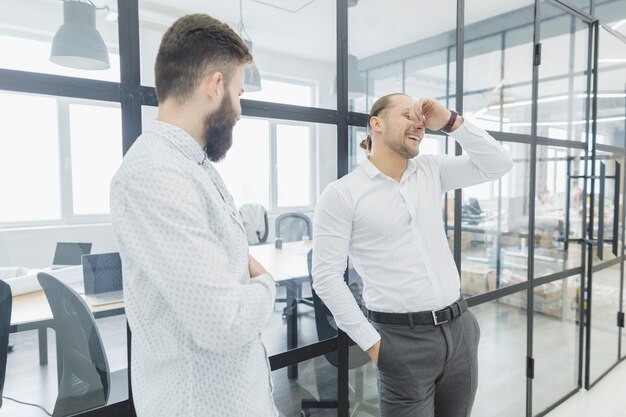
605 284
563 85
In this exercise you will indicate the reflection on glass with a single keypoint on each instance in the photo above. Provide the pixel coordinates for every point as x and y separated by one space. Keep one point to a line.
96 147
28 28
604 333
580 5
494 244
29 158
396 55
501 357
556 341
558 210
287 47
317 380
501 101
611 13
384 80
562 102
432 75
611 89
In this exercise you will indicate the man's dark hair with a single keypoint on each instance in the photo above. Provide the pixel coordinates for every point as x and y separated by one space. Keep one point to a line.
194 46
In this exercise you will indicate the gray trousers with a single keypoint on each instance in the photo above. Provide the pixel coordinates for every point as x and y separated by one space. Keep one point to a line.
428 370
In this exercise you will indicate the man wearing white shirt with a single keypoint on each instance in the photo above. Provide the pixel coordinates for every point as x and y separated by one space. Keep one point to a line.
196 301
386 216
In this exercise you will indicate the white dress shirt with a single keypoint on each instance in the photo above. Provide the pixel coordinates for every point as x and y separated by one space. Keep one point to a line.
394 234
194 312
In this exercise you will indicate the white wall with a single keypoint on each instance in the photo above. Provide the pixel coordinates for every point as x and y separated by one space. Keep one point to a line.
34 247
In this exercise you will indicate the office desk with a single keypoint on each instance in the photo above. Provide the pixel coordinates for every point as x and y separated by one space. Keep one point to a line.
289 268
31 311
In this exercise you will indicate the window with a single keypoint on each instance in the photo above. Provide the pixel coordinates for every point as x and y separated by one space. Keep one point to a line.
277 157
61 155
96 154
246 168
29 159
293 163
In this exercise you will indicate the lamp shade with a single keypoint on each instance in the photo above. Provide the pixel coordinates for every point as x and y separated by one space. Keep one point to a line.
252 77
77 43
356 87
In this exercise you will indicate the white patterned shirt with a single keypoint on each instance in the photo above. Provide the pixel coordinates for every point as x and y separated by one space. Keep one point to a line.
393 233
194 312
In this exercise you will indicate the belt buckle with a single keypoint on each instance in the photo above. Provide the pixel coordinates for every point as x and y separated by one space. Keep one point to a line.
437 323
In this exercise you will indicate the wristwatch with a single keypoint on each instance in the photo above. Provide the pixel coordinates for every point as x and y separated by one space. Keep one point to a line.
448 127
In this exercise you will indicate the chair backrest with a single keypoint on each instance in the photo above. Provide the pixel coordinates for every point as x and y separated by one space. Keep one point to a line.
69 253
293 226
254 217
325 322
6 302
84 381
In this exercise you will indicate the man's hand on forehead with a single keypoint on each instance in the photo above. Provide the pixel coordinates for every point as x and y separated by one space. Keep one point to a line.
415 115
432 113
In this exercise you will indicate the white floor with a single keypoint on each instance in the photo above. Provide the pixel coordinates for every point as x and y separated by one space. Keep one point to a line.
606 399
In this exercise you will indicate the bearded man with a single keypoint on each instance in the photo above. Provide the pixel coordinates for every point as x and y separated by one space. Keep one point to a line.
196 301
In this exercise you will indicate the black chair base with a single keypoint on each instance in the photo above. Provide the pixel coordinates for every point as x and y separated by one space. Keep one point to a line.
315 404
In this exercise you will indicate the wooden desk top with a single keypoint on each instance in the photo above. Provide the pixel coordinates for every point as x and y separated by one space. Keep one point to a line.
286 263
33 307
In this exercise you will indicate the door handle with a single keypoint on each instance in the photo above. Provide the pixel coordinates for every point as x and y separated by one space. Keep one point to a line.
616 207
601 212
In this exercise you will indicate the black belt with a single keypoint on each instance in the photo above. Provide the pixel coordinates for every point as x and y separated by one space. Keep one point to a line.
437 317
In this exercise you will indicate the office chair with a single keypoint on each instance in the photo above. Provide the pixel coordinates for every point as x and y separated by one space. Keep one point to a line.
357 358
254 217
85 380
6 302
291 227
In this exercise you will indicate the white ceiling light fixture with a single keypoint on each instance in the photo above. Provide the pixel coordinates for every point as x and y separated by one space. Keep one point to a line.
252 77
77 43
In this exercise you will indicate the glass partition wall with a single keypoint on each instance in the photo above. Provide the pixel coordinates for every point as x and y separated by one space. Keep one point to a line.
549 234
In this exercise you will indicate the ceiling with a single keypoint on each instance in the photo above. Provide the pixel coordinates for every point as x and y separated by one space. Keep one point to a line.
374 26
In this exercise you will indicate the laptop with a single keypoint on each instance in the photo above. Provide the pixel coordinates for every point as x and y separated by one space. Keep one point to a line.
102 275
69 254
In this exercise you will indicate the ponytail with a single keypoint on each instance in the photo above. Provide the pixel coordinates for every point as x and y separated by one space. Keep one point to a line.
367 144
377 109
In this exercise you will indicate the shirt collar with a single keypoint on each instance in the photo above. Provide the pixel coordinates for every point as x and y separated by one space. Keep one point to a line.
371 170
180 139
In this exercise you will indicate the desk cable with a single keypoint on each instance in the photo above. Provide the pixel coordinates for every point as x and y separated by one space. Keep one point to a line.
30 404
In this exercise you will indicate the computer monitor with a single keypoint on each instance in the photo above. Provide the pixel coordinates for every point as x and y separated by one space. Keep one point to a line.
102 273
69 253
